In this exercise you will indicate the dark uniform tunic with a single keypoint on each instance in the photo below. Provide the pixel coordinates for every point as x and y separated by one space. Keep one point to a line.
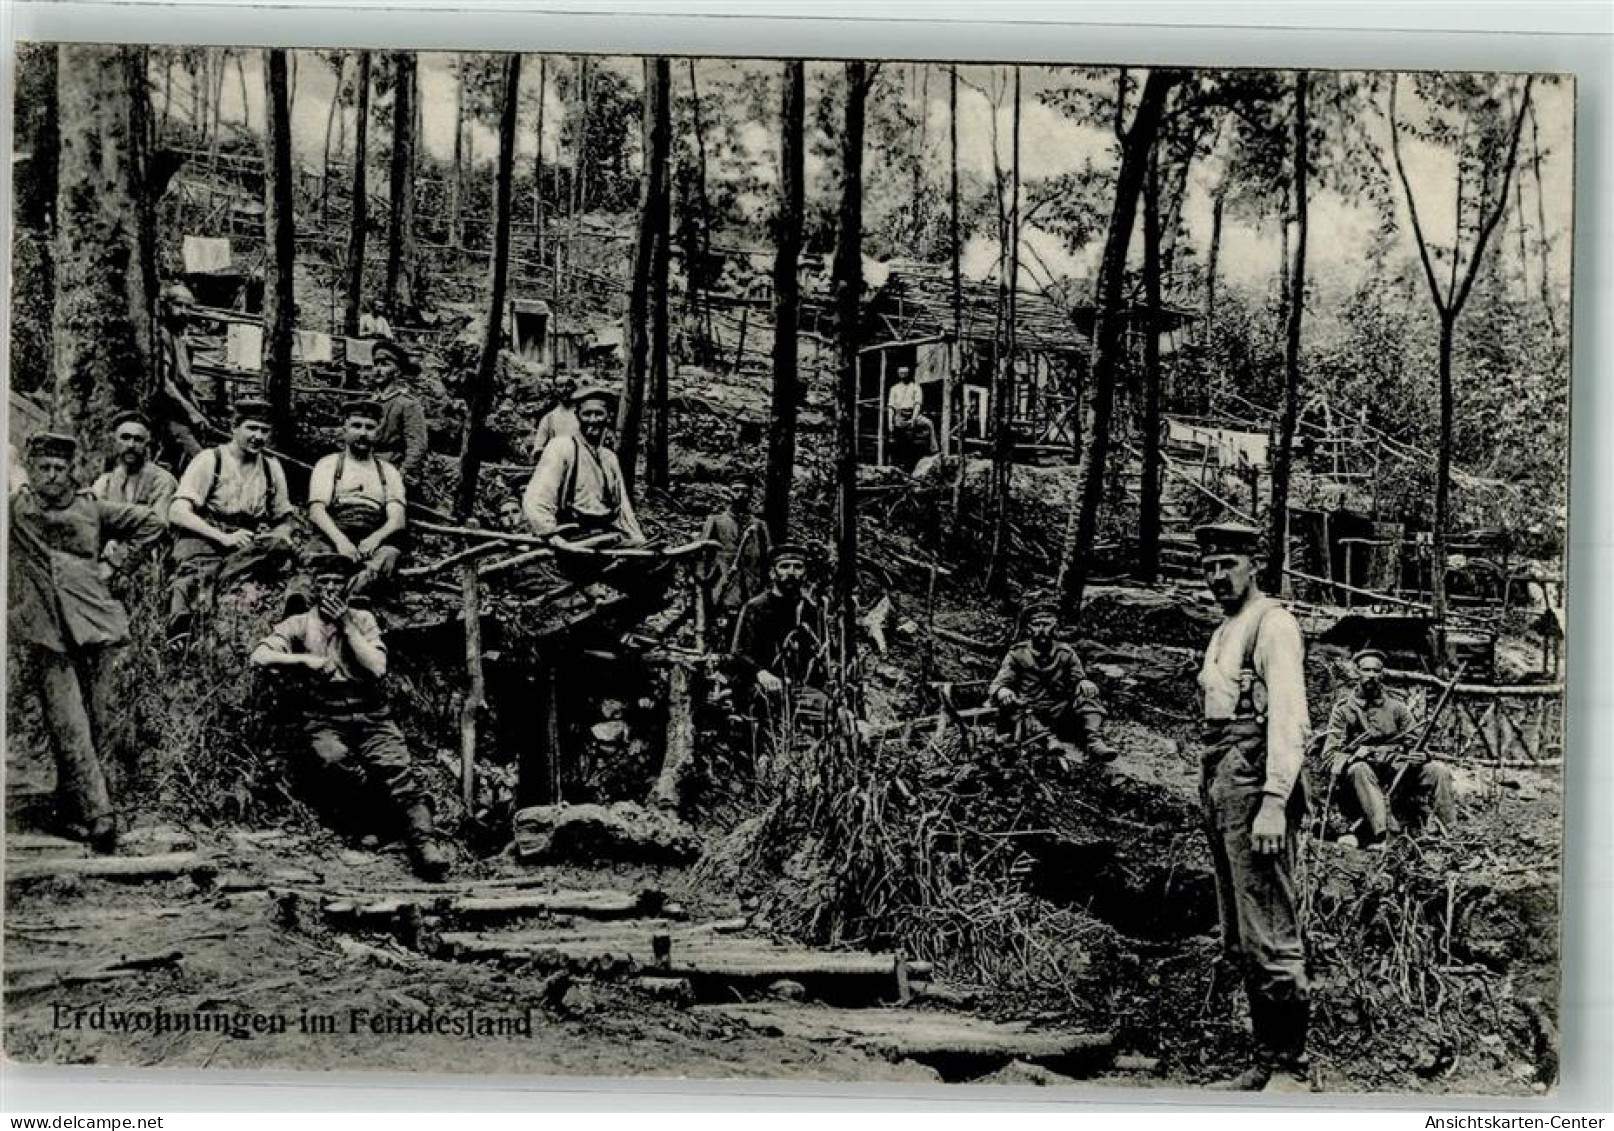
60 609
1052 688
781 635
1358 733
402 436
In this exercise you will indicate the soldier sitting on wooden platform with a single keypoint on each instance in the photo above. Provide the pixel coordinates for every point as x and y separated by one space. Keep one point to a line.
350 728
231 516
1368 752
577 487
1042 679
356 500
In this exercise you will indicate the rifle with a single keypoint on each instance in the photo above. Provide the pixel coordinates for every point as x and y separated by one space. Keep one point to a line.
1416 756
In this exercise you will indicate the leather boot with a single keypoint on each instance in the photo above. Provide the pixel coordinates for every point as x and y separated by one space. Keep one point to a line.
1090 727
427 858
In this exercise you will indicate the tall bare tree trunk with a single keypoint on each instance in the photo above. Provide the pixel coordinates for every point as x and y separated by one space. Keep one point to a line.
696 258
1082 531
1449 307
400 292
658 158
340 69
360 219
1543 243
1004 393
456 184
241 78
479 394
786 303
1283 455
103 323
630 413
955 383
538 167
1149 501
848 287
279 304
33 271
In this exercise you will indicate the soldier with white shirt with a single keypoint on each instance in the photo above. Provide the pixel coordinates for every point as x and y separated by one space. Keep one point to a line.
1256 725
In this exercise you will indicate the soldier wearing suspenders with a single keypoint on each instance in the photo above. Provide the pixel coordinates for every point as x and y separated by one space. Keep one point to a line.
230 515
356 500
1253 798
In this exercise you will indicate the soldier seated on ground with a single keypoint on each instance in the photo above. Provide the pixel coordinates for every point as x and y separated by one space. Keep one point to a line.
779 637
576 493
350 729
356 501
1368 751
231 517
137 481
1042 680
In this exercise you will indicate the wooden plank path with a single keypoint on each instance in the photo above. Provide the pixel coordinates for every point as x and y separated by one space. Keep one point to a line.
724 969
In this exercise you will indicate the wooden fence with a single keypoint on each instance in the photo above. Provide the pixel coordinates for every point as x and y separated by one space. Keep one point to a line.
1521 724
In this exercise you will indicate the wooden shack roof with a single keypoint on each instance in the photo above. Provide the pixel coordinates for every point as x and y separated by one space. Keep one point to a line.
916 301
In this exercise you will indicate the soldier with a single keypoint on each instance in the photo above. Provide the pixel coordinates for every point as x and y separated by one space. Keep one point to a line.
735 569
356 500
779 634
231 516
401 437
560 420
1254 800
1043 678
61 612
578 482
912 435
187 423
349 725
1366 751
134 479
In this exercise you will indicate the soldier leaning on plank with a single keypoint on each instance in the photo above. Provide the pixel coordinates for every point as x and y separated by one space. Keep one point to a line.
60 610
578 483
348 722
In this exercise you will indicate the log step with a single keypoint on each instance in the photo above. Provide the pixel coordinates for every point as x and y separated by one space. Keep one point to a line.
716 964
960 1048
482 908
132 869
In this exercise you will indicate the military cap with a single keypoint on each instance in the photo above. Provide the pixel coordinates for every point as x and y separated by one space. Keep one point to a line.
1039 603
326 562
252 408
400 356
787 550
1369 654
566 378
363 407
739 481
1228 538
42 444
594 393
130 417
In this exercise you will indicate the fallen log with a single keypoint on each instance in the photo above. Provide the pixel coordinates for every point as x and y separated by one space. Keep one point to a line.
132 869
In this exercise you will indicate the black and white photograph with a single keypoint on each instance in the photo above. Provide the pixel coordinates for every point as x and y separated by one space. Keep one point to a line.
854 571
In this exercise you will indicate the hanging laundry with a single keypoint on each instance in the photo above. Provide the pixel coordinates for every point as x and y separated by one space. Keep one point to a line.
358 351
312 346
207 255
243 346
